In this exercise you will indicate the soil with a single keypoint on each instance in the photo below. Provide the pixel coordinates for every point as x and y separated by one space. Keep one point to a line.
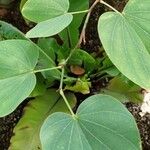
93 45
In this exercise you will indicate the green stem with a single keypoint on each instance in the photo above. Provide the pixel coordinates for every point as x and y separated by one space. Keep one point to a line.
63 95
47 69
82 38
102 2
79 12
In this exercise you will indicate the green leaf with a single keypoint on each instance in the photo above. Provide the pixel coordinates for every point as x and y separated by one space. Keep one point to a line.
81 57
22 4
125 47
46 62
82 85
40 87
124 90
73 28
50 27
39 10
28 129
7 31
101 123
137 14
49 46
17 80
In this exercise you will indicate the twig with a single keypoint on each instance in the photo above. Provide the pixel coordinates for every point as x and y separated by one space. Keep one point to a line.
47 69
63 95
82 35
102 2
82 38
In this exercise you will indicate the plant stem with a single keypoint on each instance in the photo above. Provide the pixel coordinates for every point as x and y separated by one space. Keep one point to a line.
47 69
63 95
102 2
82 35
79 12
62 78
82 38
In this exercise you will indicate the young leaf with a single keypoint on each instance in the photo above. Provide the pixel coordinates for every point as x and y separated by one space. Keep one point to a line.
28 129
82 85
81 57
125 44
50 27
39 10
17 80
102 123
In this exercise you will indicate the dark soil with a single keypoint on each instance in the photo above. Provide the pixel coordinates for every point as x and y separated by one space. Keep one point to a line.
7 125
143 124
93 45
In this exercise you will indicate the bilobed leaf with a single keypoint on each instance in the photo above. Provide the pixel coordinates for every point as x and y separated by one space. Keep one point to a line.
126 41
17 80
50 27
7 31
41 10
26 133
101 123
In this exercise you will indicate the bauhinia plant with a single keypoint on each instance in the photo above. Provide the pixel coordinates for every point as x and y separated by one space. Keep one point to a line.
28 70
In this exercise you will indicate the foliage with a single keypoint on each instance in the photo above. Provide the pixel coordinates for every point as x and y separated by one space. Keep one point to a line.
37 110
125 39
100 122
32 69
